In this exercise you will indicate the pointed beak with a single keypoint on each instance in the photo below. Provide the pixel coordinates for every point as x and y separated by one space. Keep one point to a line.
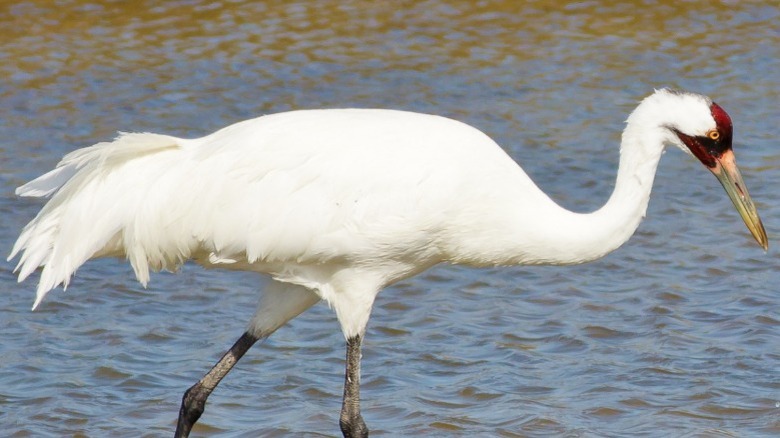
728 174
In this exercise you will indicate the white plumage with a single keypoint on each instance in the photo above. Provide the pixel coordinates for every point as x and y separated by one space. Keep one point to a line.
301 195
334 204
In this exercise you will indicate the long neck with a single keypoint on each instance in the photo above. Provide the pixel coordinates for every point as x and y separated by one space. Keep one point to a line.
527 227
564 237
608 228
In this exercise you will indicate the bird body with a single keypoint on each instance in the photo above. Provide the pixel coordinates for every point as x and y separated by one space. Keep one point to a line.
307 197
337 204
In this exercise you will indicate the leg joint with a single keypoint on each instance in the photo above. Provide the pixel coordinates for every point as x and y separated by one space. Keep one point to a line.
193 403
353 427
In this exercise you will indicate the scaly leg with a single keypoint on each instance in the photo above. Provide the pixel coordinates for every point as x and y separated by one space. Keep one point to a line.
194 400
280 303
351 422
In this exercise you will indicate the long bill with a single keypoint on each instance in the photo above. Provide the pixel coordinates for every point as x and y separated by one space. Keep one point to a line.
728 174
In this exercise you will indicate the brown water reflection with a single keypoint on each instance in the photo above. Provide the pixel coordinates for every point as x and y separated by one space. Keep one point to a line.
71 37
673 335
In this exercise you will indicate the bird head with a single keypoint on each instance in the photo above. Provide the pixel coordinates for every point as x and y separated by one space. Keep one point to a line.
702 128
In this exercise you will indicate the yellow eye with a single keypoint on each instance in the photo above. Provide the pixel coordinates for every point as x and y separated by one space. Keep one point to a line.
713 135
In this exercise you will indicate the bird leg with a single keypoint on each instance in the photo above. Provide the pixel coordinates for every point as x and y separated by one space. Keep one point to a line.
194 400
351 422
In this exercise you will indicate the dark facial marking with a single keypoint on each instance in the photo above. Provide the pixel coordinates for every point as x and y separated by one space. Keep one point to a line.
703 147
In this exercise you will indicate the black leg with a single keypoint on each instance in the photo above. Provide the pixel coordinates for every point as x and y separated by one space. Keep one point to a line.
194 400
351 422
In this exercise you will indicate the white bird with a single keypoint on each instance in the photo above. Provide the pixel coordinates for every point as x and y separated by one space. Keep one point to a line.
335 205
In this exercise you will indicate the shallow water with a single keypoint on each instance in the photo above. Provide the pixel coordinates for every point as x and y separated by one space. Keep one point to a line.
674 334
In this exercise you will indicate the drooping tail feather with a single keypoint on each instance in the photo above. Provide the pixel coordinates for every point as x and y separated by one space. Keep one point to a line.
92 191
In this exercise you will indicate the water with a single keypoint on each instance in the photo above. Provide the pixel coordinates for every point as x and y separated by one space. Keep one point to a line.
675 334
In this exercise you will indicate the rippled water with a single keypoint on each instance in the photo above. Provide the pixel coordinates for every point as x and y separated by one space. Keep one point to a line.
675 334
